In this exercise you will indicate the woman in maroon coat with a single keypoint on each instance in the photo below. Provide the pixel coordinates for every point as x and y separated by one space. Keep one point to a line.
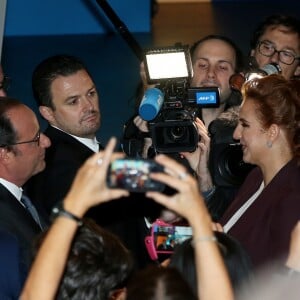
267 206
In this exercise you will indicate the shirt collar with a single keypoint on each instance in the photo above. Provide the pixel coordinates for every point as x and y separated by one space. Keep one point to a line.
14 189
92 144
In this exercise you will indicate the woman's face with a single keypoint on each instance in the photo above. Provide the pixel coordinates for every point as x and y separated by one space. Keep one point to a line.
252 136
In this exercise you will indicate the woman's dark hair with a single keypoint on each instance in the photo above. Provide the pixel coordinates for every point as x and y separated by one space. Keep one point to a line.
97 265
158 283
236 259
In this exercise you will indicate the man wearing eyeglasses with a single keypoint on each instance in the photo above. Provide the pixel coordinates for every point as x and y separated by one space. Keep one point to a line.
22 155
277 40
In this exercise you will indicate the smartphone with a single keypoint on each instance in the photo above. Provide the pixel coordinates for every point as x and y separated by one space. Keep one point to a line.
132 174
167 237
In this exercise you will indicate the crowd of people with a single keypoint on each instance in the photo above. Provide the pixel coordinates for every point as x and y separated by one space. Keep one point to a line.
65 234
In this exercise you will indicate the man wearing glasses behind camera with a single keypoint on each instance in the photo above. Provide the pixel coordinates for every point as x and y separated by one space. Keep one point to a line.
277 40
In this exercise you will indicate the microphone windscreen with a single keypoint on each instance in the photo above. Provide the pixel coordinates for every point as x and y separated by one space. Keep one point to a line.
151 104
271 68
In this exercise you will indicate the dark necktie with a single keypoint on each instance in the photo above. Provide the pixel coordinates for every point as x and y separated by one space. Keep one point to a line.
31 209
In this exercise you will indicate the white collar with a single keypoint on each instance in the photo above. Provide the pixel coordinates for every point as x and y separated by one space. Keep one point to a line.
14 189
92 144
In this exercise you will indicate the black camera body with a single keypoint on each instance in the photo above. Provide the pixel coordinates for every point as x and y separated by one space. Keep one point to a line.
173 103
226 156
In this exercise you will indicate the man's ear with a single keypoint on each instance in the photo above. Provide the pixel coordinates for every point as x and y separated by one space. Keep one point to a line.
4 155
297 71
47 113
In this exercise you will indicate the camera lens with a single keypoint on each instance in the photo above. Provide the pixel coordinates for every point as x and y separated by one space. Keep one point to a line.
170 136
176 132
231 167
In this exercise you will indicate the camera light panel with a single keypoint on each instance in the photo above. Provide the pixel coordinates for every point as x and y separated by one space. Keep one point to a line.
167 65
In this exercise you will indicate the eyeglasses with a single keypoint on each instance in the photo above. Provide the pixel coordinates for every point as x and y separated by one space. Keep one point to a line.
36 139
267 49
4 84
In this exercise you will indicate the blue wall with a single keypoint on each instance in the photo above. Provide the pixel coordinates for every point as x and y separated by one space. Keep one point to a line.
36 29
57 17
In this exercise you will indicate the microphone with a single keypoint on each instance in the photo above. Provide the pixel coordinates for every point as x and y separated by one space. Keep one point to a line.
237 80
268 69
151 104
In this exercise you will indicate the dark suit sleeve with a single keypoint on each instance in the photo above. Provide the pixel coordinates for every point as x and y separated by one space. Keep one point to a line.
50 186
12 271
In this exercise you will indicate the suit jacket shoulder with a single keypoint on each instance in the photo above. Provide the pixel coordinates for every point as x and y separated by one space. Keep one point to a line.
63 159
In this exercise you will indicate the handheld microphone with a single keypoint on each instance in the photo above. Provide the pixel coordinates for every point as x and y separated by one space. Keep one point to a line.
151 104
268 69
237 80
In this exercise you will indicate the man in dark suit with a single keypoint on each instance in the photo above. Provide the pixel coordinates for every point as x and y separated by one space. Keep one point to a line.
68 100
22 151
12 270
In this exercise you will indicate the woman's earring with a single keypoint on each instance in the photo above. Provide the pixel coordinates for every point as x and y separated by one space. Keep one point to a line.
269 144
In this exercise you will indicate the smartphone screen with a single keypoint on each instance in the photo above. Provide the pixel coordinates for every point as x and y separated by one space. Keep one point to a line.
133 175
167 237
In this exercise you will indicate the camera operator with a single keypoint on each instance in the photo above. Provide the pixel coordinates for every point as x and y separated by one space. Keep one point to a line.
215 59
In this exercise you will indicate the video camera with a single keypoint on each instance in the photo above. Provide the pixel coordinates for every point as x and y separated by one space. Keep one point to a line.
172 105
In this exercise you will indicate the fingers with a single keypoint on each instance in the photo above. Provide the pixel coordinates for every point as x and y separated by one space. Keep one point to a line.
204 151
117 193
217 227
188 201
172 167
143 73
174 181
202 130
103 157
137 120
89 186
160 198
140 124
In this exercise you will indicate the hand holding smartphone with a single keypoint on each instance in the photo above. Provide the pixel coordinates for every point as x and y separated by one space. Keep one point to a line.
132 174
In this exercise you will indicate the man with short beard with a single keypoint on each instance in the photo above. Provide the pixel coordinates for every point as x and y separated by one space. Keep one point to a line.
68 99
